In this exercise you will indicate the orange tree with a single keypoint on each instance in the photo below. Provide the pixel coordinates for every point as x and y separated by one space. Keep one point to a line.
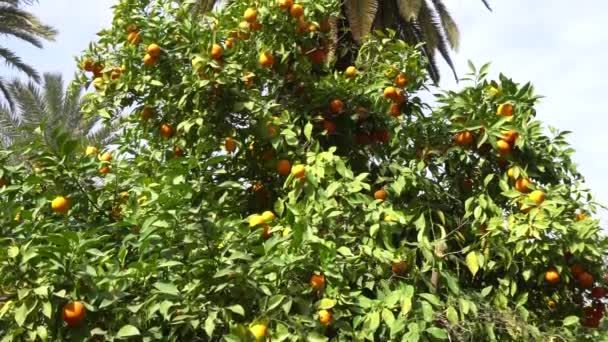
256 192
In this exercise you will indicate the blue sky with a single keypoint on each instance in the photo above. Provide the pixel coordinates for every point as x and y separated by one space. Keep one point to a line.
548 43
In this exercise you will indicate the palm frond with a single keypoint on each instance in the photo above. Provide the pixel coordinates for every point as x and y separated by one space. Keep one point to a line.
30 103
409 9
21 34
7 94
14 61
25 21
360 15
485 2
53 95
448 24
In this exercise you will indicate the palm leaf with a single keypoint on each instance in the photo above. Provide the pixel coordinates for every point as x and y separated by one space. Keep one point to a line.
409 9
448 24
14 61
360 15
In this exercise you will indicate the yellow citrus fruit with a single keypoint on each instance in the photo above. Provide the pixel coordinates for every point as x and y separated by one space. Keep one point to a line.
266 59
106 157
285 4
401 80
537 196
91 150
255 220
389 219
511 172
503 147
268 216
325 317
552 276
298 171
296 10
580 216
149 59
60 204
522 185
505 109
259 331
250 15
98 83
350 72
286 231
153 50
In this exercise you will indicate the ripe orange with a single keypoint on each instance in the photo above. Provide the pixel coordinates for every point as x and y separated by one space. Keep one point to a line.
503 147
317 56
298 171
284 167
153 50
285 4
577 269
329 126
505 109
350 72
104 170
510 136
73 313
259 331
463 138
399 96
399 267
401 80
147 113
395 110
131 28
552 276
60 205
317 282
106 157
325 317
266 59
230 43
88 65
244 28
580 216
336 106
250 15
178 151
585 280
134 37
296 10
537 197
313 28
166 130
522 185
266 234
230 144
149 60
381 195
216 51
390 92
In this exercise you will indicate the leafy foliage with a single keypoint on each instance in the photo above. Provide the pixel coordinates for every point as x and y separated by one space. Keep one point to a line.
176 241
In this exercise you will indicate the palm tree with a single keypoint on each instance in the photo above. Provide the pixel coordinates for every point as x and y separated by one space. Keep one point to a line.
414 21
43 110
23 25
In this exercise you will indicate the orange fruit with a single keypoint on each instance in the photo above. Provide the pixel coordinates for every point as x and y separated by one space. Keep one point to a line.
325 317
106 157
284 167
296 10
259 331
511 173
266 59
149 60
243 32
60 205
178 151
104 170
73 313
585 280
134 37
88 64
298 171
522 185
250 15
317 282
503 147
537 197
147 113
316 56
390 92
230 43
329 126
505 109
115 74
395 110
285 4
463 138
577 269
336 106
510 136
401 80
350 72
153 50
216 51
166 130
131 28
91 150
399 267
580 216
381 195
313 28
552 276
266 234
230 144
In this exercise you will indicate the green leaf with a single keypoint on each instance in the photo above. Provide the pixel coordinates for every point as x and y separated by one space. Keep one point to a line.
21 314
437 333
472 263
167 288
431 298
372 322
486 291
127 331
47 309
452 315
308 131
326 303
274 302
13 252
427 311
570 320
237 309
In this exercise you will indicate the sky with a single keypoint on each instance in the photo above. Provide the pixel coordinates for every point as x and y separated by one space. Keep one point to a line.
550 44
